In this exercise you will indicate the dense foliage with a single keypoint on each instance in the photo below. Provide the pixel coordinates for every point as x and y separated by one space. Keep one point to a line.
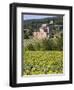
42 62
45 44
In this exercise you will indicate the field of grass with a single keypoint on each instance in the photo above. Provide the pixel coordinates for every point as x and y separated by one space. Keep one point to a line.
42 62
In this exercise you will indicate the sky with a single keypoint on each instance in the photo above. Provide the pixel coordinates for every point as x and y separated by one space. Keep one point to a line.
29 17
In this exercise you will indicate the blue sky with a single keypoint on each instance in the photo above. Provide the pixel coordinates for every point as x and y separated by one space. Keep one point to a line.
29 17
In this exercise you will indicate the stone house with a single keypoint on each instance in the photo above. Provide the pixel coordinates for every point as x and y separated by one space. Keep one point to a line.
42 33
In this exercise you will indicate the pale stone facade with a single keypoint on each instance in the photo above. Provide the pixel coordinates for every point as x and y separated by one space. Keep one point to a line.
43 32
40 35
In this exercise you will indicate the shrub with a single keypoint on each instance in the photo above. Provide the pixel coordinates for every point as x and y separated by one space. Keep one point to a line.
60 43
36 45
29 47
46 44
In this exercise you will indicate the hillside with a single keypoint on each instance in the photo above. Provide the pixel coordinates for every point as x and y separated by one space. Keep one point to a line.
34 24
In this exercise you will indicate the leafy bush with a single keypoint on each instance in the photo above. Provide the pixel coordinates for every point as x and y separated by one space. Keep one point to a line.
26 35
42 62
29 47
45 44
60 43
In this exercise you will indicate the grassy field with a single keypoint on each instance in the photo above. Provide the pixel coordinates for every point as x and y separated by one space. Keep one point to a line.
42 62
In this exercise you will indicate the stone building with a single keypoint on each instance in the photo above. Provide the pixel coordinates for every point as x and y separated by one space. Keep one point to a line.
42 33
